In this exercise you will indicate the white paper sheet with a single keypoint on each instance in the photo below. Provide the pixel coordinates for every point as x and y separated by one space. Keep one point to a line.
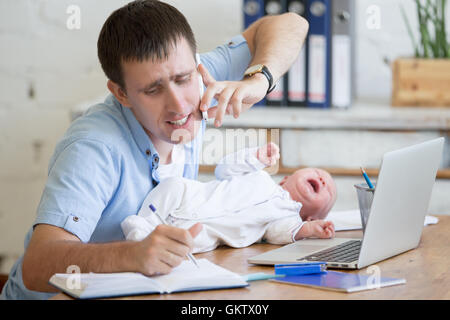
351 220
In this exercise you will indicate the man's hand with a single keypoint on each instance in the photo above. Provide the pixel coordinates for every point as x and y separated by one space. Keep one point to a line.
52 250
233 97
318 229
165 248
268 154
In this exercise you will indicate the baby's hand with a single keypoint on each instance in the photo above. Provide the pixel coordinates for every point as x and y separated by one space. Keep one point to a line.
318 229
268 154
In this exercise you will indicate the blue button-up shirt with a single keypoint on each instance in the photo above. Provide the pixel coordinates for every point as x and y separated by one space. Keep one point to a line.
105 165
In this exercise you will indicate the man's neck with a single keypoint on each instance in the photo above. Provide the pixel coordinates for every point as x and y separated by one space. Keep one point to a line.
165 152
164 149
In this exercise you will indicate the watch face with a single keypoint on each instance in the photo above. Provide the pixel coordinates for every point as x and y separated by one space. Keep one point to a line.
254 69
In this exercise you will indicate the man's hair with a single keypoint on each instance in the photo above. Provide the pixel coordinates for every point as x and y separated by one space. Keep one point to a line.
140 30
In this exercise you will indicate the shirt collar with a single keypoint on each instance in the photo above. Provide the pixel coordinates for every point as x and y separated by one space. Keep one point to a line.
140 136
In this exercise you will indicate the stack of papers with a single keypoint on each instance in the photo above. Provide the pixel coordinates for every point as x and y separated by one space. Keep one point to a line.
351 220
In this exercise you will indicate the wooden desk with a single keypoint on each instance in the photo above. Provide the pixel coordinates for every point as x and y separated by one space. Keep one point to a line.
426 270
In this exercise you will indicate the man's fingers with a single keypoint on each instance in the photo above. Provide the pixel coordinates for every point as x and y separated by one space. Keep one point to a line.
195 229
236 101
212 112
170 259
159 267
211 88
207 78
181 236
222 106
212 91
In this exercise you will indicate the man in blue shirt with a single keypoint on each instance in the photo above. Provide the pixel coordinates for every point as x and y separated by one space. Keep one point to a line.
108 160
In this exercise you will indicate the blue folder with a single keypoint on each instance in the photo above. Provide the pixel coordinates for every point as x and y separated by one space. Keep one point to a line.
319 55
340 281
253 10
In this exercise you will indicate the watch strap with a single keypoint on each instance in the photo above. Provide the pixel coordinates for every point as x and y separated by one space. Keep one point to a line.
265 71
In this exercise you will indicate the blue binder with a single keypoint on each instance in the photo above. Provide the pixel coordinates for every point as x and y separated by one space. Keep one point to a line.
253 10
319 53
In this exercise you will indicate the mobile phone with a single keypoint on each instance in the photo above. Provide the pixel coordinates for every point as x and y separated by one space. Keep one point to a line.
200 84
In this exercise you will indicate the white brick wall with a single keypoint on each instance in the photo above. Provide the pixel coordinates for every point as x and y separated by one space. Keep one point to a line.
344 149
58 67
389 42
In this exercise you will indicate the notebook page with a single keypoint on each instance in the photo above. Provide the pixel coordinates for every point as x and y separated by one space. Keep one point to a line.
345 220
94 285
188 277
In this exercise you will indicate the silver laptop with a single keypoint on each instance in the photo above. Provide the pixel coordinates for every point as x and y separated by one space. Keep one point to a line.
396 219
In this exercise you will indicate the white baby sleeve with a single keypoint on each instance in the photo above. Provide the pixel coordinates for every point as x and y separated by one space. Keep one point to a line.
238 163
166 197
283 230
136 228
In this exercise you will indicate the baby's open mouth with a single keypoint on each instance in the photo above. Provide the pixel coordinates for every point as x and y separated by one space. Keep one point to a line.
314 184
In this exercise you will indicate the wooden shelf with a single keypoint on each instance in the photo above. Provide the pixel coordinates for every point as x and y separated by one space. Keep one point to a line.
363 115
441 174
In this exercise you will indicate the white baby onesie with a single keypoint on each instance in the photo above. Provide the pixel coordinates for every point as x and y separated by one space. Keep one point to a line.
243 206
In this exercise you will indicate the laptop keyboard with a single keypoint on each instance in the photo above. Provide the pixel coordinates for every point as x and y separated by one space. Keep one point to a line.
345 252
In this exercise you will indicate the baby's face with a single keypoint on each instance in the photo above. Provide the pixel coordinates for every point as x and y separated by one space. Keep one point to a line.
315 189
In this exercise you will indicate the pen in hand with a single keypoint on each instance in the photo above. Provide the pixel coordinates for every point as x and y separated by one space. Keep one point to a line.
189 255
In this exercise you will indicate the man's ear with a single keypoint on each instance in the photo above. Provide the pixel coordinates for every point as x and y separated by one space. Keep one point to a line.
119 93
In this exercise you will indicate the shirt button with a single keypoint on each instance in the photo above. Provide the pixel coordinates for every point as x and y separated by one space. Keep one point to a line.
76 219
147 152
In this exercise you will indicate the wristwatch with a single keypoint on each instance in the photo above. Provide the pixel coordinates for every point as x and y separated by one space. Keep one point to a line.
260 68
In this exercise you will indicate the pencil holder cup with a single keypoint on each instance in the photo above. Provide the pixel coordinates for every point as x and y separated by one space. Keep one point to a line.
365 197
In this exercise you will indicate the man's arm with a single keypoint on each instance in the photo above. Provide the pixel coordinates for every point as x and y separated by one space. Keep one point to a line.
274 41
52 250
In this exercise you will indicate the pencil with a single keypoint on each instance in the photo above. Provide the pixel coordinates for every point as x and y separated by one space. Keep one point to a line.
367 178
189 255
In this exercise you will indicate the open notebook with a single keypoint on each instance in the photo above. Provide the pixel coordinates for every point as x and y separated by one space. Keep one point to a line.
185 277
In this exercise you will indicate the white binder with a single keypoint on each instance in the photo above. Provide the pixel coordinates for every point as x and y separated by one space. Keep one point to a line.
343 53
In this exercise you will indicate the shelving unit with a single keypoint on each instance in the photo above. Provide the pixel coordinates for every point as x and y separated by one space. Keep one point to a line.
340 140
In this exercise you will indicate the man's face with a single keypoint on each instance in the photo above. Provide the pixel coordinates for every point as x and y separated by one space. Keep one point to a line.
164 95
